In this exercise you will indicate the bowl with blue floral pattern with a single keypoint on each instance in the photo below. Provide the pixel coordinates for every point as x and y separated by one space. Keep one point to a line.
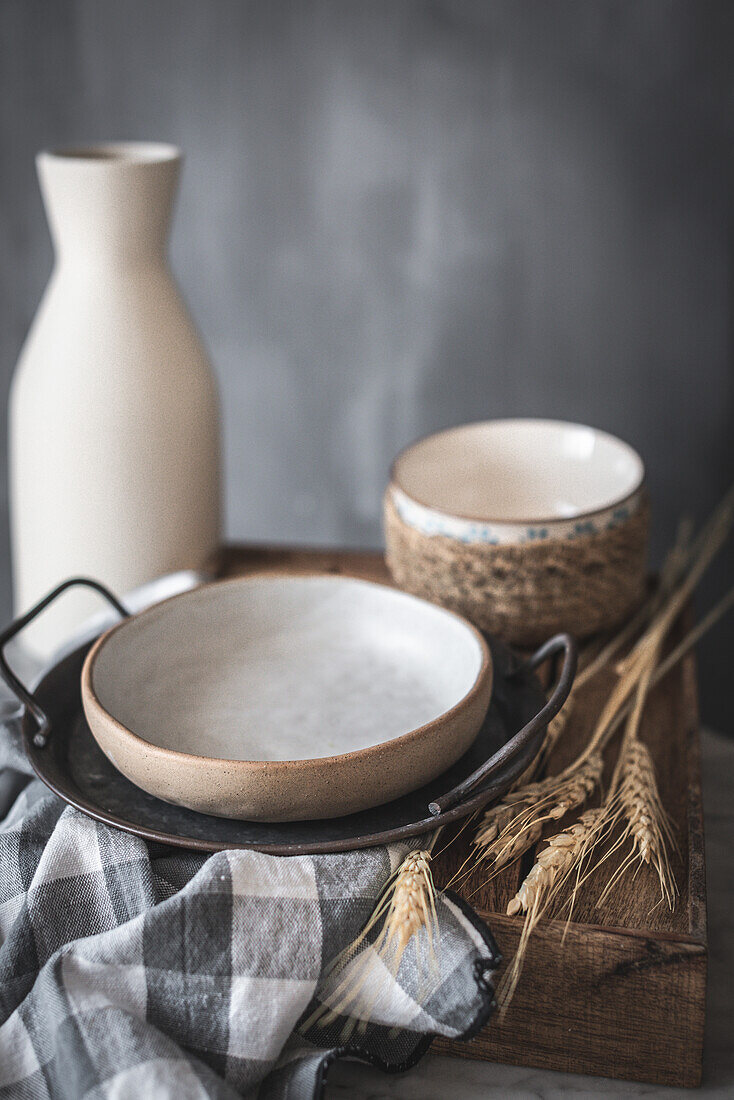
521 524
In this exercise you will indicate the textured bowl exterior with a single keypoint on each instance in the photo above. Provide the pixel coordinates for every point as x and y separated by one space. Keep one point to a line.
290 790
588 581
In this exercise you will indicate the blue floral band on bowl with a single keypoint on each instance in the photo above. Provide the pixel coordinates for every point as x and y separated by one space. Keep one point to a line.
430 522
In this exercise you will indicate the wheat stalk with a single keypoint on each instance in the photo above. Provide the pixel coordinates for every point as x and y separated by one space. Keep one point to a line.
553 864
509 829
647 823
412 907
515 824
637 804
354 981
563 854
633 796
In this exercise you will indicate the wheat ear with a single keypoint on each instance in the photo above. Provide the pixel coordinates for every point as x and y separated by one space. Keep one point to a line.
412 907
516 823
647 824
354 981
554 863
563 854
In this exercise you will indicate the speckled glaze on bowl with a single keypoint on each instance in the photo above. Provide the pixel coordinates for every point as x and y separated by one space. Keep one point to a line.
281 698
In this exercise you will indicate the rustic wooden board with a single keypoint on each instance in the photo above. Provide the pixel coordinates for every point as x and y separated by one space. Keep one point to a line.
620 991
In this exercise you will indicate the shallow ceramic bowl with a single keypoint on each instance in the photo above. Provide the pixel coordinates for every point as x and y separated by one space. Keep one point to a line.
527 527
286 698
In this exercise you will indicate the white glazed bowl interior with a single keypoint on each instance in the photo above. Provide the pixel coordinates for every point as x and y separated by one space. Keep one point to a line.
519 471
284 668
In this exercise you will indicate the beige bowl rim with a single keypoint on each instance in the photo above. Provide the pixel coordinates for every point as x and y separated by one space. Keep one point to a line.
615 502
482 683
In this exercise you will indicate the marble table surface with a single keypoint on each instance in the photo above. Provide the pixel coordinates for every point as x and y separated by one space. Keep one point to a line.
436 1078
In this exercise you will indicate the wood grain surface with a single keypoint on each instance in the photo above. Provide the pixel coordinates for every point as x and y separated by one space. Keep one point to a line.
619 990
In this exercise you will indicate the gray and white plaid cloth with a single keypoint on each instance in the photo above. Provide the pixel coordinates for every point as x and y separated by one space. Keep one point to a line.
129 969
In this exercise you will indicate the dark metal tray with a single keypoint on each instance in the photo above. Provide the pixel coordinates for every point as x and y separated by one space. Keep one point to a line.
66 757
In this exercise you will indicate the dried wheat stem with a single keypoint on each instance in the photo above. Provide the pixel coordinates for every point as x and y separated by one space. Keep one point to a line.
566 852
649 657
686 644
694 636
634 665
672 570
706 547
633 795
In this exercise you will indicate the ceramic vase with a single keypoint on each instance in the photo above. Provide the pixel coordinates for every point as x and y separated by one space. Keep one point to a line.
114 423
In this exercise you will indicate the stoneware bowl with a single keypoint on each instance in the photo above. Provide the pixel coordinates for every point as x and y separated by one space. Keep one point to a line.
526 527
280 698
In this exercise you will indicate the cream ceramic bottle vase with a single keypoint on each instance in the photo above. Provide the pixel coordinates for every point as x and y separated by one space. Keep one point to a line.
114 425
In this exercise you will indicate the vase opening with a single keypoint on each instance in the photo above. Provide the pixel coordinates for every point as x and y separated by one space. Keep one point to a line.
125 152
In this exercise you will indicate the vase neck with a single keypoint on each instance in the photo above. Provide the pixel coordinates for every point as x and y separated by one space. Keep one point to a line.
110 205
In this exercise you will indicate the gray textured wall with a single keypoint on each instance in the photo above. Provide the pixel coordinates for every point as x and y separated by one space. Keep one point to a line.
400 215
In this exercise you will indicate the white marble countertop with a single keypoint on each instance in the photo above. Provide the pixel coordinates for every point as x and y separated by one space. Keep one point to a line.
436 1078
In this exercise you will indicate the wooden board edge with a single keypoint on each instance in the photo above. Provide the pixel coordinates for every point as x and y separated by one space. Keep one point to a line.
696 834
555 929
643 1020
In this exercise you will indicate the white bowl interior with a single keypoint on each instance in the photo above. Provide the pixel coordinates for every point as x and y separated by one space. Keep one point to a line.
285 668
519 471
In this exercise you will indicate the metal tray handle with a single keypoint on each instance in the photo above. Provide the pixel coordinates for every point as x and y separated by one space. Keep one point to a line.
559 643
43 732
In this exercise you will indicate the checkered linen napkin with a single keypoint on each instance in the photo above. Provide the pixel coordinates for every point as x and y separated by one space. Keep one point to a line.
129 969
